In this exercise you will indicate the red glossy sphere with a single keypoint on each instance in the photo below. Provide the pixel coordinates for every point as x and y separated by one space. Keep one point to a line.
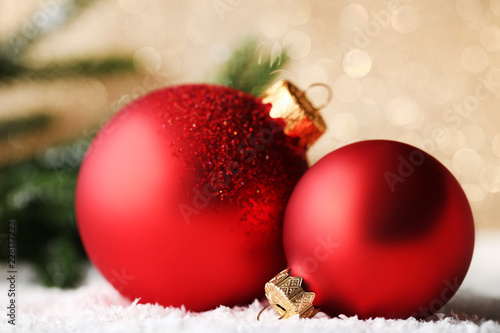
379 228
181 197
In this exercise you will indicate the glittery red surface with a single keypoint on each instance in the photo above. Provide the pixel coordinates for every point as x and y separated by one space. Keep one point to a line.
226 138
189 183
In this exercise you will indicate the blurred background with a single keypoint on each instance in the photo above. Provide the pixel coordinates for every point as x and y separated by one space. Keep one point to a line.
422 72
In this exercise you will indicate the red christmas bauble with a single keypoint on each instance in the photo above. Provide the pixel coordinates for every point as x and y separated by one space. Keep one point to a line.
379 228
181 196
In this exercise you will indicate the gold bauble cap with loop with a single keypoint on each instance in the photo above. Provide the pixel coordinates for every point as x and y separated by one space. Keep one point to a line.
288 298
302 119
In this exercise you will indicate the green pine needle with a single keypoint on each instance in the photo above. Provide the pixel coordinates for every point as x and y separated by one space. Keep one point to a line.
20 126
84 67
250 68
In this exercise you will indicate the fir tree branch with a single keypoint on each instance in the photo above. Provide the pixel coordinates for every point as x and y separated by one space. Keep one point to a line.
39 195
85 67
251 69
18 126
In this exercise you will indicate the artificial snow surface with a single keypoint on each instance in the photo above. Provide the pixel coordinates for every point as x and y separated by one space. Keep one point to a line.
97 307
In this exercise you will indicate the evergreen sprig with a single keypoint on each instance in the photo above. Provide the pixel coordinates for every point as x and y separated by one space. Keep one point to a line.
251 67
19 126
38 194
66 69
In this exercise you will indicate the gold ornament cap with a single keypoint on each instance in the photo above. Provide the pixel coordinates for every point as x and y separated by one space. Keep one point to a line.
287 297
302 119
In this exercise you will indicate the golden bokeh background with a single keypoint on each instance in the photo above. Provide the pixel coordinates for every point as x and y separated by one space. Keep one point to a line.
422 72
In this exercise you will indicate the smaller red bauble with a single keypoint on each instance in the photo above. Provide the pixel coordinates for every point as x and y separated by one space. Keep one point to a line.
379 228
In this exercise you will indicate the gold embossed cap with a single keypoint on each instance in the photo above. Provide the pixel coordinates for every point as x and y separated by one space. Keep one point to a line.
287 297
302 119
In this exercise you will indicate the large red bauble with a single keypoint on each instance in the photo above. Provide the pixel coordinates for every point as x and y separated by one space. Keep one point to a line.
181 197
379 228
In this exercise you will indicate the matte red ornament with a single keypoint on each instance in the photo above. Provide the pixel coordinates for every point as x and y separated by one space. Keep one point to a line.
181 196
379 228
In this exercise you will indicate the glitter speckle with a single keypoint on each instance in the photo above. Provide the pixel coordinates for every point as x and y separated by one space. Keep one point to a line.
227 155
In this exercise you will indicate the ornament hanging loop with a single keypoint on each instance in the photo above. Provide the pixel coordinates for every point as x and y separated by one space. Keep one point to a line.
267 307
328 97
